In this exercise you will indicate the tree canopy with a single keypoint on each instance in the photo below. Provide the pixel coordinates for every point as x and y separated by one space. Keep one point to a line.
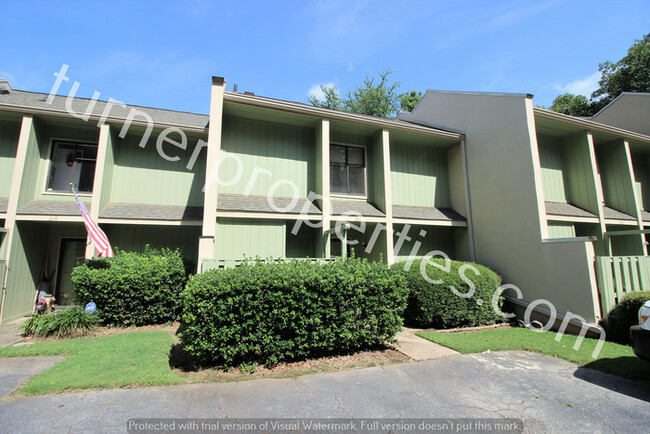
379 98
630 74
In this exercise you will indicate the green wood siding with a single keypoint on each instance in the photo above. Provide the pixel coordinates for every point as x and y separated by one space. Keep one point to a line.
580 174
236 238
144 176
376 187
553 169
134 238
285 151
349 139
419 175
9 134
618 188
436 238
642 178
626 245
30 176
27 258
109 170
561 230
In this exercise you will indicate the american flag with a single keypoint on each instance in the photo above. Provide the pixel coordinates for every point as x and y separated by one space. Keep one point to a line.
97 236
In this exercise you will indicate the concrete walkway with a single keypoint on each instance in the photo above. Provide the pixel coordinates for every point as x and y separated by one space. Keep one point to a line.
10 332
548 394
418 348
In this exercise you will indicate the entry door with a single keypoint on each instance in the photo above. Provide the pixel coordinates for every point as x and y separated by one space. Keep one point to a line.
72 253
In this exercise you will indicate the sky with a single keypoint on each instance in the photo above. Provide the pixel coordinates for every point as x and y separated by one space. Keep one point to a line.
163 53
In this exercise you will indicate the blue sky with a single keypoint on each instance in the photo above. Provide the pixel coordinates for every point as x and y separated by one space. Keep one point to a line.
163 53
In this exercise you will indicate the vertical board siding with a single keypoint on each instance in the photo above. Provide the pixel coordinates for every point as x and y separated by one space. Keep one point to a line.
618 189
9 134
48 133
581 187
144 176
561 230
642 178
376 187
238 238
621 275
30 182
287 152
134 238
27 257
109 170
419 175
625 245
552 163
436 238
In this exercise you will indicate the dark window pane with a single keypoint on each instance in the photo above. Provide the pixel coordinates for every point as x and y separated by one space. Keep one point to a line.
337 154
338 179
355 156
356 179
336 246
72 163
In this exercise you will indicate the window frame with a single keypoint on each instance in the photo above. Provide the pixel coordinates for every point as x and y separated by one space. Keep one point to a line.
48 169
365 171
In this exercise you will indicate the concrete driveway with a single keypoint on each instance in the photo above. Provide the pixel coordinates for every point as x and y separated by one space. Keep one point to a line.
550 395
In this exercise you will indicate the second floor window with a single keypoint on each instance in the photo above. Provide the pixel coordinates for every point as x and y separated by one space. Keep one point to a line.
72 162
348 170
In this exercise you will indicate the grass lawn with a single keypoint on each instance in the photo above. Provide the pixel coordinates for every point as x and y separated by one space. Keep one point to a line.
142 358
613 358
128 359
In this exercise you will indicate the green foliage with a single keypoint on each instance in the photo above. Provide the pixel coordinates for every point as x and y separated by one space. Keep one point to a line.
624 315
574 105
380 99
436 305
332 100
630 74
409 100
70 322
133 288
268 313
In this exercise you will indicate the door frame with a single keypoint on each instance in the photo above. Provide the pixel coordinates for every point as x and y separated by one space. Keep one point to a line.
55 277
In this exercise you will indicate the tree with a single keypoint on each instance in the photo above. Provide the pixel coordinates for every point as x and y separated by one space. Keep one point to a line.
332 99
630 74
570 104
409 100
381 99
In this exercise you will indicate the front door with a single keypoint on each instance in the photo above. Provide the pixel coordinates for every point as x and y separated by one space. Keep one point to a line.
72 253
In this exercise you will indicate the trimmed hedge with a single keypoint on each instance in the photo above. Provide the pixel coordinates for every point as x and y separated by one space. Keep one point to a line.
269 313
624 315
437 306
133 288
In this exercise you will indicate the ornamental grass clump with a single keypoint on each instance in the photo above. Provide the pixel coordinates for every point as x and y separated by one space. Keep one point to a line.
66 323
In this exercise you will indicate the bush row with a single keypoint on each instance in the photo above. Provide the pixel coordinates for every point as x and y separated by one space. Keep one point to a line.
461 295
269 313
624 315
133 288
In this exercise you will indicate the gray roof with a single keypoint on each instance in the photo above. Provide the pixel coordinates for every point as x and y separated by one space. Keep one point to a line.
239 202
566 209
38 101
52 207
3 204
426 213
142 211
354 207
645 216
611 213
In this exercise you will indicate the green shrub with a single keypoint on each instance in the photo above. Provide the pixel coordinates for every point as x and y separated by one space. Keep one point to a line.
133 288
624 315
71 322
268 313
435 305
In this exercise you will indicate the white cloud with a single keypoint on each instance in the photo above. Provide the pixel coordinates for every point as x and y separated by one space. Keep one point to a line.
317 92
583 86
350 67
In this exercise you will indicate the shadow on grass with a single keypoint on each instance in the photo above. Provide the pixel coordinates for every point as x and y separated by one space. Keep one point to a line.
606 373
180 359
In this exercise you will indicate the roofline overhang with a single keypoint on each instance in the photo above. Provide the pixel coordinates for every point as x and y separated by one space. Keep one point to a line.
590 125
109 119
323 113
